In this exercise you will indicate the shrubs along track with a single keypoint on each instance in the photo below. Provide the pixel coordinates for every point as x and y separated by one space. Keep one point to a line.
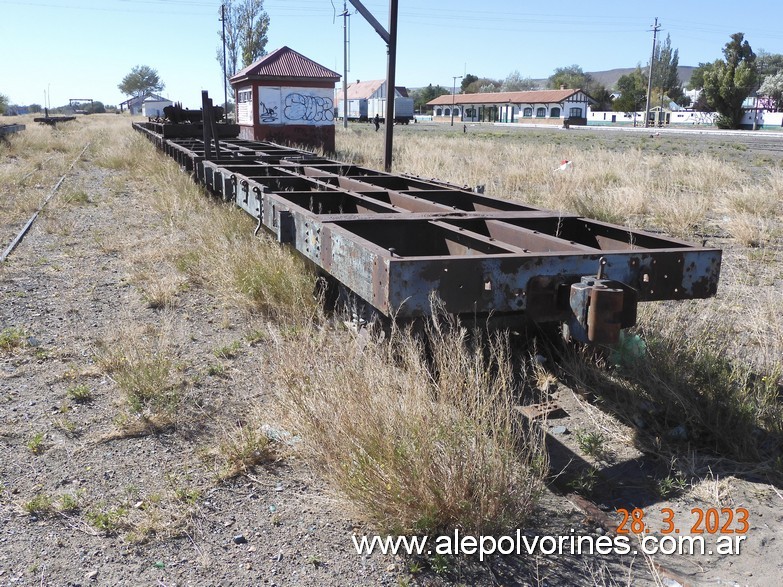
414 448
420 444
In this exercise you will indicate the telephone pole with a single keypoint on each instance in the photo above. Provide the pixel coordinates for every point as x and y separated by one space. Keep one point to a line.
655 29
225 88
345 64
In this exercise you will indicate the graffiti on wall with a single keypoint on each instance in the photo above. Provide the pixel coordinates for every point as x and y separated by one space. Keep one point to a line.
303 107
281 105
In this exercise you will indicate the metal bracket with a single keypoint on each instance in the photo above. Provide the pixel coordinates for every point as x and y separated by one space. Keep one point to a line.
600 308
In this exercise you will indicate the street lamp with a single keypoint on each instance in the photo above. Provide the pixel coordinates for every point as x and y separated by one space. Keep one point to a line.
453 95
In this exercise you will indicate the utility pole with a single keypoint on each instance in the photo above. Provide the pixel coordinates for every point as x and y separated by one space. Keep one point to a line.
390 38
225 82
655 29
345 64
454 95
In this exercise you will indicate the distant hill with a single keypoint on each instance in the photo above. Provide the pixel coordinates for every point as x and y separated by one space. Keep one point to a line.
609 77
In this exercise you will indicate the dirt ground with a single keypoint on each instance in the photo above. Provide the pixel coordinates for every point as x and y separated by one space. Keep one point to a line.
69 288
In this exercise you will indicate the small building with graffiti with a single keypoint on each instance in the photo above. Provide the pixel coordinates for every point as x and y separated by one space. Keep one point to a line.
285 97
539 106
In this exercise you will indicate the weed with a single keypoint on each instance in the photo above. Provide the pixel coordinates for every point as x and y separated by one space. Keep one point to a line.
78 197
66 425
142 366
109 521
593 444
586 482
242 448
670 485
70 502
256 336
228 351
216 369
40 505
81 393
439 564
187 495
11 338
37 444
418 452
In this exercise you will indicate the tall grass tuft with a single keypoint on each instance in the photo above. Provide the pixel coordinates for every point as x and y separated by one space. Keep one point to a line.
141 362
417 445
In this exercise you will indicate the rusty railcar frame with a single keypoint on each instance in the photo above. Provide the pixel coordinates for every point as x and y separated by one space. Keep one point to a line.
394 239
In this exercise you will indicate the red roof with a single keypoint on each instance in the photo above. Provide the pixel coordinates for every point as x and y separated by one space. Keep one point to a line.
532 97
287 63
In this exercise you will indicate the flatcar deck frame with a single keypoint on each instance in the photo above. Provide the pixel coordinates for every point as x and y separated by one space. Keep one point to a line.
394 240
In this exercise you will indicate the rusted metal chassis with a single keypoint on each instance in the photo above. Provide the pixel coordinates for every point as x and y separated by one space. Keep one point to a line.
394 240
7 129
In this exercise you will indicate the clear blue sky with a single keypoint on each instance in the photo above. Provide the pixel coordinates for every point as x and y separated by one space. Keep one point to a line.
83 48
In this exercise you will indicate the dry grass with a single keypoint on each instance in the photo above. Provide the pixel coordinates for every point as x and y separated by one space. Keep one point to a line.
209 243
712 365
141 360
417 445
682 194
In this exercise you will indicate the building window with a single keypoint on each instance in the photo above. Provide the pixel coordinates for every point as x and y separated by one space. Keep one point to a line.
438 112
540 112
245 96
470 112
447 112
527 112
575 113
554 113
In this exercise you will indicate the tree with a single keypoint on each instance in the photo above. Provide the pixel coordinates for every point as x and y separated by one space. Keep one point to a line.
771 92
246 25
602 96
697 76
665 77
665 62
34 108
483 85
466 81
769 63
633 92
701 104
95 107
423 95
3 103
141 80
728 82
516 83
571 77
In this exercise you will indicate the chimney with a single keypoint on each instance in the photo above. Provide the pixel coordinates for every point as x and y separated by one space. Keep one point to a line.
562 86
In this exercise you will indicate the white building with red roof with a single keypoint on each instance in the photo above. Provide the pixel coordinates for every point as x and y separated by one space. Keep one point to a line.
539 106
